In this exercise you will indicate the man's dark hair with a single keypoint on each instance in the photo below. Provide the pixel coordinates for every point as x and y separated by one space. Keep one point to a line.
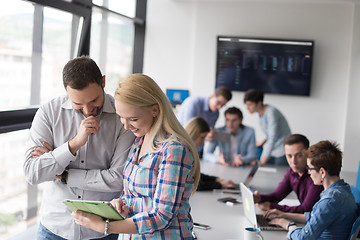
79 72
223 91
254 95
236 111
297 138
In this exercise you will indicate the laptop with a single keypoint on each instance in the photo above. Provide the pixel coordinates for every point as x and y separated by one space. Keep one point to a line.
249 177
251 174
222 136
249 211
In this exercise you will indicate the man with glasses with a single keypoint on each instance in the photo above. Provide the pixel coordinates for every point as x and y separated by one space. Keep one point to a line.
205 107
78 147
296 179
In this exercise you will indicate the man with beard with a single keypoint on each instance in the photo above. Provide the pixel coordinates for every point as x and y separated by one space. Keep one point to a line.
78 146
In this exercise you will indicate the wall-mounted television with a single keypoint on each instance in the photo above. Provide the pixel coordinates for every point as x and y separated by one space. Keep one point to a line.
280 66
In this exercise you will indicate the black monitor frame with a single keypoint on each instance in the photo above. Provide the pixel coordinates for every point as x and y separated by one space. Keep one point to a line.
279 66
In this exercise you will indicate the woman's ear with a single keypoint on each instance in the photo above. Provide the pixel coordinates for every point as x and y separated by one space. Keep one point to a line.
322 171
156 110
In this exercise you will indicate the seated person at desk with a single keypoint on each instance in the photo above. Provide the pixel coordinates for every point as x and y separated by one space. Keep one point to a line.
296 179
198 128
274 125
242 146
333 215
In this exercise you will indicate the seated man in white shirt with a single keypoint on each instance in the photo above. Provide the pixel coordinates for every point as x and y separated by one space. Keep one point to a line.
241 149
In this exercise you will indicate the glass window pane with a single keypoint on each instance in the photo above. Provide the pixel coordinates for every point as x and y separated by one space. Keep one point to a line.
55 52
98 2
112 41
16 28
125 7
13 189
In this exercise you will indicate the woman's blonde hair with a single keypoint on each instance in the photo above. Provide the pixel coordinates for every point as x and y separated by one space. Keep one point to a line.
195 126
142 91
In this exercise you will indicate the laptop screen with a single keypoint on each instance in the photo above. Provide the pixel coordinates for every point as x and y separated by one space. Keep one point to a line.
251 175
250 213
248 204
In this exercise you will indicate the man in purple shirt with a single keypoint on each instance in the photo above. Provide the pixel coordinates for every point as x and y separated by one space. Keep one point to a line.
296 179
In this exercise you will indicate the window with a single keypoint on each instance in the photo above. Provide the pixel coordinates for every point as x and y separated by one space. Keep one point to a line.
56 51
15 54
112 48
37 38
13 189
124 7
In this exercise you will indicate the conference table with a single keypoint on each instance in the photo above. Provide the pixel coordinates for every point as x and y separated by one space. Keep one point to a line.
227 221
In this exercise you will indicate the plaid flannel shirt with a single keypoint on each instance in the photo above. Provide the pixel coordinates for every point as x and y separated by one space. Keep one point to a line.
157 189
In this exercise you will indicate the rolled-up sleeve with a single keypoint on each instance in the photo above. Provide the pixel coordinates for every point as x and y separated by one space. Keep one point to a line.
316 221
105 179
47 166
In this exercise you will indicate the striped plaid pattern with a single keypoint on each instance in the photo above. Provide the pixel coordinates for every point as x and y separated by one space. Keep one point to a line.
157 190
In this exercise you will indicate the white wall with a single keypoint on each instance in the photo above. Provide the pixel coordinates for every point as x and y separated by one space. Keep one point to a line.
352 129
180 52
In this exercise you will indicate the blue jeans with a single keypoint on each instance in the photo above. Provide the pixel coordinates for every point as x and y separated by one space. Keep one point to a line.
46 234
258 152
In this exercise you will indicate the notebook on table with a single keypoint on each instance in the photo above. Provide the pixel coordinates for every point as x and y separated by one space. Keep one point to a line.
249 211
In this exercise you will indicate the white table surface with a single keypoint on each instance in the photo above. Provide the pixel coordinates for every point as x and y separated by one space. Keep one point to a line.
228 222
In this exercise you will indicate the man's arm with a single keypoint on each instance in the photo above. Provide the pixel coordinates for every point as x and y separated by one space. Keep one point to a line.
107 179
50 164
261 143
188 110
281 191
312 196
271 137
209 152
251 153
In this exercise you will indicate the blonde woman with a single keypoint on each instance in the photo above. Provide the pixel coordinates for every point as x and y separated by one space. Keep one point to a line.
161 172
198 129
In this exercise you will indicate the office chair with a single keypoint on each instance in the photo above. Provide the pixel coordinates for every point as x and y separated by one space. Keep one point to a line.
355 229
